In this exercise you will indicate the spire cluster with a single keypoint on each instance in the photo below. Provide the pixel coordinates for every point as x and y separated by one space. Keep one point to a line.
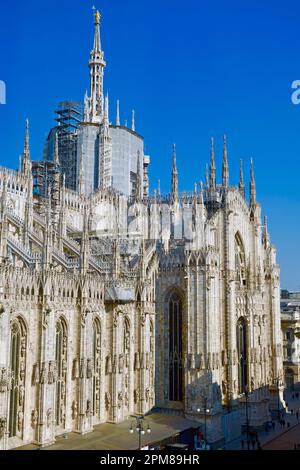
211 187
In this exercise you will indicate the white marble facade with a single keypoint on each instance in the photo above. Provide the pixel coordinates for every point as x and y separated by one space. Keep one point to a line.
111 305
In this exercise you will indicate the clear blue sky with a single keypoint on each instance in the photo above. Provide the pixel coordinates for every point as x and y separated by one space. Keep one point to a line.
191 70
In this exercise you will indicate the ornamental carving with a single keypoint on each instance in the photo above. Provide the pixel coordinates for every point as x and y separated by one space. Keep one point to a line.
89 369
137 361
5 380
121 363
120 400
82 368
36 374
2 427
34 418
75 371
136 395
107 401
52 372
43 374
108 366
74 409
49 417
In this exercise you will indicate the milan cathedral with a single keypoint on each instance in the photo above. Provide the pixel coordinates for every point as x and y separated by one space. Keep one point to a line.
114 301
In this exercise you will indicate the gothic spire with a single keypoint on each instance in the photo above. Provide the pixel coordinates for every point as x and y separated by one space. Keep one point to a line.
201 193
241 183
97 65
97 38
225 168
195 189
206 177
86 107
133 121
118 114
252 186
212 169
26 166
266 238
174 177
158 189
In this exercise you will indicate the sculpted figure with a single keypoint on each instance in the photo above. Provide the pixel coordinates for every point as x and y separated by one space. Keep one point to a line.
89 369
49 417
107 400
74 409
43 376
34 418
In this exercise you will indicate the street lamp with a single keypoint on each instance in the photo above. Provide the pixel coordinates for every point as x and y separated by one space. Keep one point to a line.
141 426
206 410
247 416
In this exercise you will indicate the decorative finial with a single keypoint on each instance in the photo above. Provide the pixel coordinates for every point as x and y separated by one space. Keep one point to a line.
97 15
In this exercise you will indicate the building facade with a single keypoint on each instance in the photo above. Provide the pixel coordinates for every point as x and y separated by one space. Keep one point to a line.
113 302
290 324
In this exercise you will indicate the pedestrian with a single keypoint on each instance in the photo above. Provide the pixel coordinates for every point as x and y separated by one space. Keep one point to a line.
297 395
292 411
259 446
293 396
288 424
242 444
297 414
273 425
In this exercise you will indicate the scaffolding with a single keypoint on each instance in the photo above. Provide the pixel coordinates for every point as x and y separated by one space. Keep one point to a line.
69 117
45 175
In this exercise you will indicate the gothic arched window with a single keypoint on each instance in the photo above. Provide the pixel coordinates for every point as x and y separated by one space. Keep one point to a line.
18 374
61 368
242 355
240 261
175 348
97 366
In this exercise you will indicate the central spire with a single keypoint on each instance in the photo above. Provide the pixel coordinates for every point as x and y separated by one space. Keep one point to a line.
97 65
97 39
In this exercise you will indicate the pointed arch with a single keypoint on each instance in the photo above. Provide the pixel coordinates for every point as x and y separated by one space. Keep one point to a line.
61 351
18 347
96 365
242 347
175 321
